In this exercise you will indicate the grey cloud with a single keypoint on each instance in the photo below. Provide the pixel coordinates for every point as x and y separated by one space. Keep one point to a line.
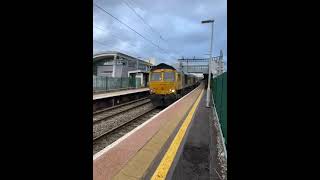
179 22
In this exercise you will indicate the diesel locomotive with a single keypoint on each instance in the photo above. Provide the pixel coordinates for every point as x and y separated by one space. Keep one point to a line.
166 84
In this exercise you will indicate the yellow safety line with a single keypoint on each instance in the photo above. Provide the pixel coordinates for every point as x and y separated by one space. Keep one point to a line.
165 164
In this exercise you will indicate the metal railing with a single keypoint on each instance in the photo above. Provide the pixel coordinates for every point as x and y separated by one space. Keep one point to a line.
104 84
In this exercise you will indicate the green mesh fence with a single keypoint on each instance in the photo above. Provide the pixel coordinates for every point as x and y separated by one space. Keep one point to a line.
219 92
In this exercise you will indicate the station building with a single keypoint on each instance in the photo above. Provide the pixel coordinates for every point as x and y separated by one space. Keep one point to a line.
117 64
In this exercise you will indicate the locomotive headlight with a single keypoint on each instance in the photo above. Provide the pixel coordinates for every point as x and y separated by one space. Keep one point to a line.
172 90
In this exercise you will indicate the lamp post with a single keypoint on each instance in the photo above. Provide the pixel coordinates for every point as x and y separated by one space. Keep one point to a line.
209 64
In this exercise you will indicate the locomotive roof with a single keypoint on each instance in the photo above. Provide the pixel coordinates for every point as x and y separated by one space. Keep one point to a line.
162 66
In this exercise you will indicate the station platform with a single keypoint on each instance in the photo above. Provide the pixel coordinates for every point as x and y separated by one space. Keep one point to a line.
118 93
177 143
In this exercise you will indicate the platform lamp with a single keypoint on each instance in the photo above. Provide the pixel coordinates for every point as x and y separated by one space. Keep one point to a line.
209 64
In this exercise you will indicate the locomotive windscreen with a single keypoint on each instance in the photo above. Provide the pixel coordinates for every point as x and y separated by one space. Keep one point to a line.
156 76
169 76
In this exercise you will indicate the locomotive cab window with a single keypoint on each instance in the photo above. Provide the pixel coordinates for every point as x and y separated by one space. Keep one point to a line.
156 76
169 76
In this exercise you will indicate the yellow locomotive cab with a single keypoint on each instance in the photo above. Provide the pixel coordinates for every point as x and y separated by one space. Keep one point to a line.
166 84
163 81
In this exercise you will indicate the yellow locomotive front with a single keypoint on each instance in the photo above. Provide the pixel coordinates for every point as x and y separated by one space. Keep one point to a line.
163 81
163 85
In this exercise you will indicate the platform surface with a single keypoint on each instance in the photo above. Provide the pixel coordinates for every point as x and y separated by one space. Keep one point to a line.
118 93
134 155
197 155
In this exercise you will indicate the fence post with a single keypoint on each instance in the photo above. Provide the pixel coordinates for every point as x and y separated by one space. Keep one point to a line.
94 84
106 83
120 82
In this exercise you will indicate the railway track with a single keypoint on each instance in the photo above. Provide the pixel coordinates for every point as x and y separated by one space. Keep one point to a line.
108 124
106 138
115 110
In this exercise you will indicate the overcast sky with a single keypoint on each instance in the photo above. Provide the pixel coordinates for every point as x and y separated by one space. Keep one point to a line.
178 22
